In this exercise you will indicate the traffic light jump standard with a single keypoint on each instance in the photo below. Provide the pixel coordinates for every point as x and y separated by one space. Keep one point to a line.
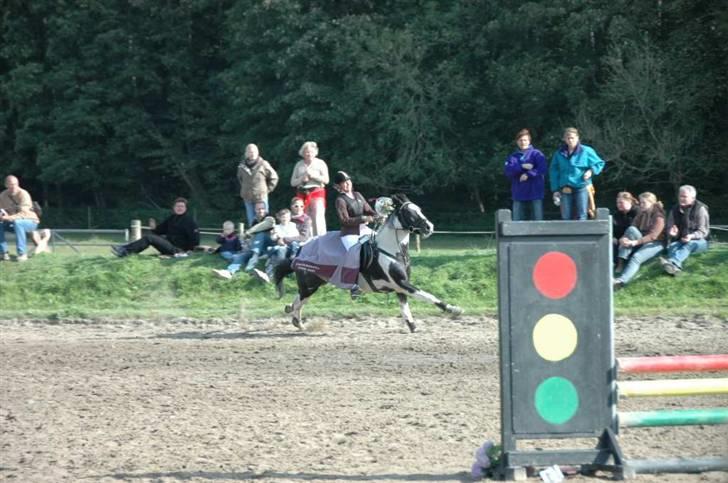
556 342
558 370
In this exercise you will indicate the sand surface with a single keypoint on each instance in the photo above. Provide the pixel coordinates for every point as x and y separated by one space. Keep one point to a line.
346 400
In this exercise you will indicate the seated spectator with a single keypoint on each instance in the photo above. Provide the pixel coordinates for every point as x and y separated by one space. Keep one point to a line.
16 215
228 241
261 233
627 209
642 240
175 236
302 221
286 238
689 226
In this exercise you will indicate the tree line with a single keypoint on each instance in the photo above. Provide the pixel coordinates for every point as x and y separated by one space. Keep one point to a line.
131 102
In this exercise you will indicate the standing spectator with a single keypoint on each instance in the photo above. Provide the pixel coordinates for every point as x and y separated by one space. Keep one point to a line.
624 216
642 240
257 179
175 236
572 167
302 221
17 215
689 225
310 176
526 168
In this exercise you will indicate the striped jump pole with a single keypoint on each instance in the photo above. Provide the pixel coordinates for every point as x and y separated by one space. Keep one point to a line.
694 363
678 417
673 387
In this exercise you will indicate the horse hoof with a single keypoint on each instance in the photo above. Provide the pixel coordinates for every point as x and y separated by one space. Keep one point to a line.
455 310
296 323
412 327
288 308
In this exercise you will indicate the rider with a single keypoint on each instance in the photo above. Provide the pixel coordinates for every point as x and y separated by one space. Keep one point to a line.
354 213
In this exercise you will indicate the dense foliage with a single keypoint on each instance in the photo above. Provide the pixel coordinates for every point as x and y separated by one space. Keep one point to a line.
130 102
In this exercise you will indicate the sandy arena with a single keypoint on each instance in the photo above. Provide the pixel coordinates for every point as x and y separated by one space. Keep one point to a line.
346 400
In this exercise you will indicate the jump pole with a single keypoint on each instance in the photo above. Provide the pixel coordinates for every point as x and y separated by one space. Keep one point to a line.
678 417
673 387
693 363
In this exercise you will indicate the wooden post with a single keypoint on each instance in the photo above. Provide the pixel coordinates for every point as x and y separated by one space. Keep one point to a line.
136 230
417 243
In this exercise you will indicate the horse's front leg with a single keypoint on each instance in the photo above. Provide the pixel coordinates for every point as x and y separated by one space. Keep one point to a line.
399 277
406 313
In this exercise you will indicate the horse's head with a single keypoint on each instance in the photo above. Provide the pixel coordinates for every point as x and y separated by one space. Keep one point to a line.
408 216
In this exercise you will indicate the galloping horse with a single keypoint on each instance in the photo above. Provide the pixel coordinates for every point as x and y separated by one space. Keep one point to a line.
386 270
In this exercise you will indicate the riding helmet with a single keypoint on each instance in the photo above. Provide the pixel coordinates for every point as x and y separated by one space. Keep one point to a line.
340 177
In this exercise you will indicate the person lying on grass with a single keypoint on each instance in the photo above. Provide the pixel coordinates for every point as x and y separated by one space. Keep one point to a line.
175 236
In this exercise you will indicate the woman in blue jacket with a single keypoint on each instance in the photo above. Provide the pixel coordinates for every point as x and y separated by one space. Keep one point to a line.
526 168
572 167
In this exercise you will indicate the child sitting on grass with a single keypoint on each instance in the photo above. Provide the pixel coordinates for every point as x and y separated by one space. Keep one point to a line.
228 241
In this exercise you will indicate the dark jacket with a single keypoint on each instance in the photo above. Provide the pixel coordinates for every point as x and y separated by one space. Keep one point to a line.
229 243
694 221
622 221
351 212
181 231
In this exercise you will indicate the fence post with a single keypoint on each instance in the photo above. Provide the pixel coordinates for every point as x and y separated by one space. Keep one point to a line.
136 230
417 243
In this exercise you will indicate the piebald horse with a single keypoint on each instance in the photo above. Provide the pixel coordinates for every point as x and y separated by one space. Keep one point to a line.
387 270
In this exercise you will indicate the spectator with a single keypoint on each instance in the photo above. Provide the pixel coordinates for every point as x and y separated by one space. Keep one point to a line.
257 180
261 233
689 225
302 220
572 168
286 238
526 168
642 240
627 209
310 176
228 241
17 215
175 236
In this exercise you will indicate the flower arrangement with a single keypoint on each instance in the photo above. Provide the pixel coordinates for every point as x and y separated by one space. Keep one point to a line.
487 457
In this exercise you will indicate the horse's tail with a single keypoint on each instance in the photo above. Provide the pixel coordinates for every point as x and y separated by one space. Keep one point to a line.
279 273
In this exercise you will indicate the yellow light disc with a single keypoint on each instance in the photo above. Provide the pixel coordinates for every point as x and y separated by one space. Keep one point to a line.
554 337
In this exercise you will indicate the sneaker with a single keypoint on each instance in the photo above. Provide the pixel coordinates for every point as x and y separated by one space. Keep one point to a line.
261 275
22 258
223 274
5 257
669 267
181 255
617 285
118 250
355 292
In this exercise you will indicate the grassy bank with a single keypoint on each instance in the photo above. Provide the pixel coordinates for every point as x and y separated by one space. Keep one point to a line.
97 285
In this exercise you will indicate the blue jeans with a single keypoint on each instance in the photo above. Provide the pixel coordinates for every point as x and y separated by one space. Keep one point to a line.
250 210
678 252
639 254
520 208
21 229
250 257
575 203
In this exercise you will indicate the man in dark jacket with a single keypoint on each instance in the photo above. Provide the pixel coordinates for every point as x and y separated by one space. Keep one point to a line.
175 236
688 226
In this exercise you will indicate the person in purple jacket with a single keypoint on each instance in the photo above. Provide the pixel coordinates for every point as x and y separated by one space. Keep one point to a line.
526 168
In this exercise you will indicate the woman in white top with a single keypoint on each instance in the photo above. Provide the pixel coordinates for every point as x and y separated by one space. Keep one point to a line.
310 176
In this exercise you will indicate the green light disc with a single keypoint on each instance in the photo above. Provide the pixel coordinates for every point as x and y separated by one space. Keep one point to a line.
556 400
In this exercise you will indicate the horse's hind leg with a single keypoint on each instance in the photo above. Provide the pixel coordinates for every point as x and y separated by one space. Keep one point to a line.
406 313
295 309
